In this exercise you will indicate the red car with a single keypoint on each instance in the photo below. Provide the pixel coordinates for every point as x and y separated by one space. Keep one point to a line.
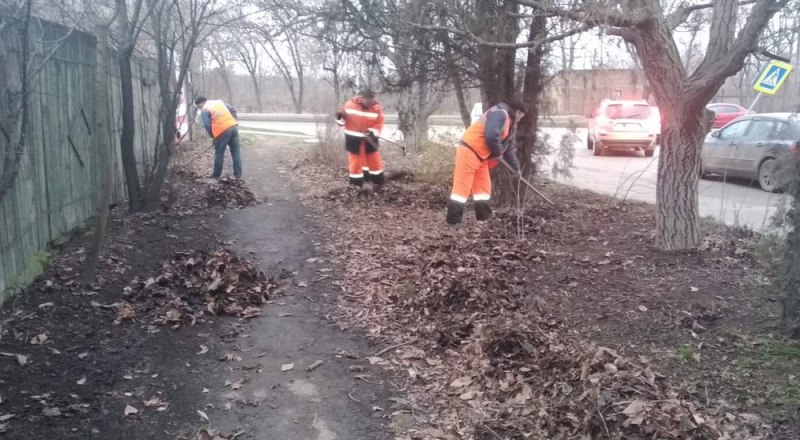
725 113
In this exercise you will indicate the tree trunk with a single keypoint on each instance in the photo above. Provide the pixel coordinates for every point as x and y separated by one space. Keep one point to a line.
788 276
300 90
508 189
126 141
463 109
257 89
677 216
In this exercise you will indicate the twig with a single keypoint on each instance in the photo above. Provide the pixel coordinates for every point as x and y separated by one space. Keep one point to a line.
392 347
492 431
602 419
350 395
313 366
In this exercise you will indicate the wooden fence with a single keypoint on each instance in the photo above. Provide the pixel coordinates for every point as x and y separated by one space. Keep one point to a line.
58 185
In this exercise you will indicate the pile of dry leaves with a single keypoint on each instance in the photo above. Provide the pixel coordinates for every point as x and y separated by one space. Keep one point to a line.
196 284
477 350
198 190
230 192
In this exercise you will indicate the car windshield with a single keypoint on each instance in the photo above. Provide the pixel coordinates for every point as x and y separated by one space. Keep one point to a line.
620 111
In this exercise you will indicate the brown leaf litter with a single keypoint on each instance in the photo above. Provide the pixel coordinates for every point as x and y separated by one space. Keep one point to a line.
195 284
489 362
230 192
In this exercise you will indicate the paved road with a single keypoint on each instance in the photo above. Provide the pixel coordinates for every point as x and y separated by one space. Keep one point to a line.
625 176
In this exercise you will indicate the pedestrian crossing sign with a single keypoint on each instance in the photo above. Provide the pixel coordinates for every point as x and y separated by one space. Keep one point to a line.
772 77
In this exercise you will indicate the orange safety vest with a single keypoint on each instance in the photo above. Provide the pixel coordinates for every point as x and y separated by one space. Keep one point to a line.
359 120
221 117
475 136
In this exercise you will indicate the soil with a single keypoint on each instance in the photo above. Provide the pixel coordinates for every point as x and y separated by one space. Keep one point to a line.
89 370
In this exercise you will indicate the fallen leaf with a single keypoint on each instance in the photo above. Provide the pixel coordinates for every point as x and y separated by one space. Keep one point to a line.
461 382
125 312
129 410
22 359
51 412
154 401
39 339
81 381
203 416
287 367
693 289
6 417
83 355
46 305
203 350
127 377
642 308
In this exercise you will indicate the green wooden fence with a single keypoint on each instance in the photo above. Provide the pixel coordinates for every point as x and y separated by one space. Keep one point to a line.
59 180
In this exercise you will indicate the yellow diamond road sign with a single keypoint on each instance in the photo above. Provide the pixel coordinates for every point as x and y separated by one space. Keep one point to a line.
772 77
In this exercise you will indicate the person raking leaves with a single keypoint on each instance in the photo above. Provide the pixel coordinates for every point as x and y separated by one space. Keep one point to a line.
220 121
362 118
488 140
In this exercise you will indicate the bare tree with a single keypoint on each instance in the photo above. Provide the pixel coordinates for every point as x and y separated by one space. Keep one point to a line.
249 55
130 23
221 49
178 29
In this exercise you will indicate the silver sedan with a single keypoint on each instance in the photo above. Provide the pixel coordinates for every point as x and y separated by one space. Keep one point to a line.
752 147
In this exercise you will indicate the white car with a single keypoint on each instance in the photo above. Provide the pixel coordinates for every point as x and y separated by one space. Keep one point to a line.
624 125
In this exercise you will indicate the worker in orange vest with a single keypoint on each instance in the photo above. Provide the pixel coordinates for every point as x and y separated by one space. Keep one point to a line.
485 142
362 118
220 121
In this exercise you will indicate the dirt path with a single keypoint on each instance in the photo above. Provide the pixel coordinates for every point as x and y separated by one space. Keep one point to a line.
328 402
71 369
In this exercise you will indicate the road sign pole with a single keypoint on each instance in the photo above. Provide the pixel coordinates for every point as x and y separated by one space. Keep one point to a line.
755 101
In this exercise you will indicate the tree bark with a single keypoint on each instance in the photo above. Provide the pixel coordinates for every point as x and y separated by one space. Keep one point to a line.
508 189
257 90
126 141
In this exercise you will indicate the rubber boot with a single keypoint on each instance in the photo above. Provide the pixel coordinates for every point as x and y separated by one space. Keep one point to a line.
483 211
357 182
455 213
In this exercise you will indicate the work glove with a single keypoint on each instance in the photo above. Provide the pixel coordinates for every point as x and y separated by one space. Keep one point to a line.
340 117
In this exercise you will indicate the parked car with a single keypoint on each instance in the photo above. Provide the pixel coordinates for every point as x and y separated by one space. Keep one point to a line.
752 147
725 113
623 125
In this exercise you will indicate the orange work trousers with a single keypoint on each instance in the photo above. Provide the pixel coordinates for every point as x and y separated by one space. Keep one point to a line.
471 177
364 166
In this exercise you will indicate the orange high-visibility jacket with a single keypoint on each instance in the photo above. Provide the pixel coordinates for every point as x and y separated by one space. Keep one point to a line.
221 118
359 120
492 136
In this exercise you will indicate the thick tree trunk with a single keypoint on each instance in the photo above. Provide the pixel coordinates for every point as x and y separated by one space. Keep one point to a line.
507 187
789 275
678 173
126 142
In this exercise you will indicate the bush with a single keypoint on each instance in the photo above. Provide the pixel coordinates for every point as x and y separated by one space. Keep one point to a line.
329 149
435 163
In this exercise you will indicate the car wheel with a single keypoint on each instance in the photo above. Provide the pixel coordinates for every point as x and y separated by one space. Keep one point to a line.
589 143
599 150
649 152
767 176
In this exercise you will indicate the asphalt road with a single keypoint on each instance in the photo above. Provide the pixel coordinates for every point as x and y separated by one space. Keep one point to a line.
624 176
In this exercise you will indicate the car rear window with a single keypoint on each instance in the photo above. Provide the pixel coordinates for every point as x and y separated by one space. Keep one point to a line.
620 111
